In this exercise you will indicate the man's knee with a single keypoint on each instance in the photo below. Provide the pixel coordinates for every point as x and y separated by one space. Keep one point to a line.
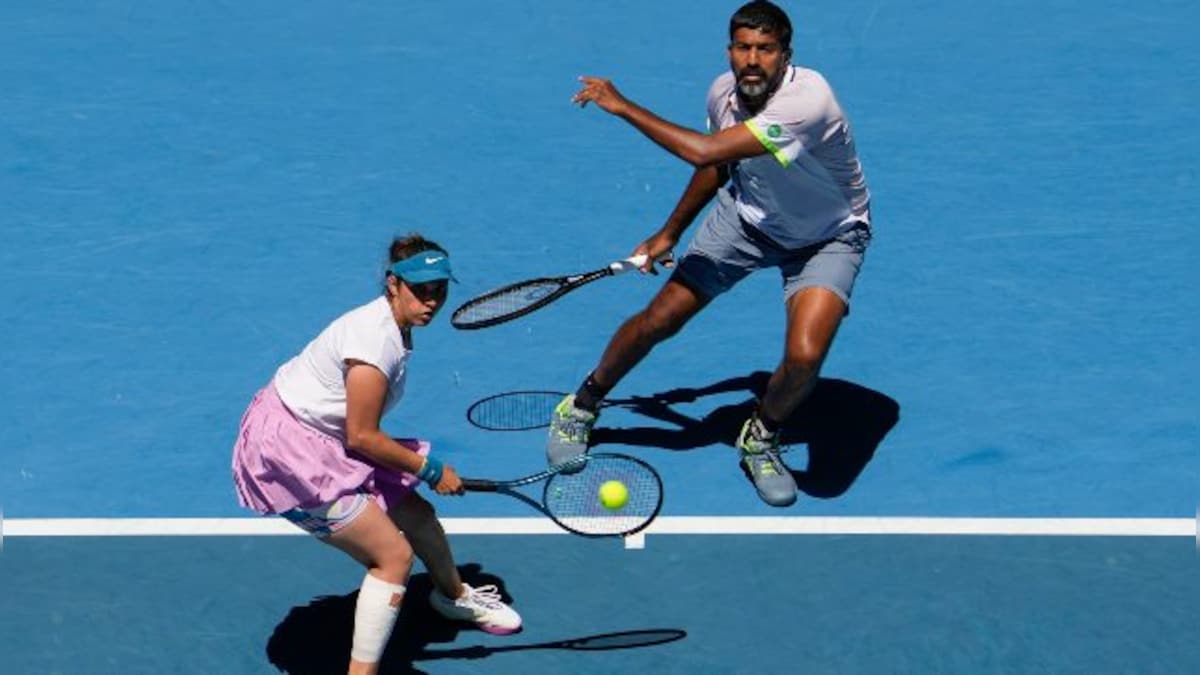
668 312
656 325
803 358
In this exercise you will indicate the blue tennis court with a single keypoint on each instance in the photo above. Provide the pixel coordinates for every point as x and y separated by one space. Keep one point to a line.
998 469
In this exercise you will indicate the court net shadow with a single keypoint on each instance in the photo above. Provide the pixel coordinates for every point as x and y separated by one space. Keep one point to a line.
315 639
841 423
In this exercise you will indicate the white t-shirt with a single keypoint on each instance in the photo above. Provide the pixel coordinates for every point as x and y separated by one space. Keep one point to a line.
313 384
809 186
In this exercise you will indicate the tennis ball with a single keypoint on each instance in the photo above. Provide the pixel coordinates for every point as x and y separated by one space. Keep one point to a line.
613 494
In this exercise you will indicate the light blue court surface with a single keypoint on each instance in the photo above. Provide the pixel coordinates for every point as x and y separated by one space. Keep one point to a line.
190 191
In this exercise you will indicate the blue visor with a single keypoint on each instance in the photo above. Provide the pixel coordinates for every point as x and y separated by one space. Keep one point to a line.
423 266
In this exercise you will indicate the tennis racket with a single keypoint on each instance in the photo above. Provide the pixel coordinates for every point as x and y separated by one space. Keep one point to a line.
571 494
518 410
517 300
532 409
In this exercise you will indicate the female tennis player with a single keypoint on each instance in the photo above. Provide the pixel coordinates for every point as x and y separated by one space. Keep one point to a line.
310 449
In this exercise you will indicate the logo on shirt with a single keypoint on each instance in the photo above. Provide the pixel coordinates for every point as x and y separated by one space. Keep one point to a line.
774 131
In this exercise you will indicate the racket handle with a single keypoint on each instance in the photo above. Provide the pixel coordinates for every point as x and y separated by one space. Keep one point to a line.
634 262
476 485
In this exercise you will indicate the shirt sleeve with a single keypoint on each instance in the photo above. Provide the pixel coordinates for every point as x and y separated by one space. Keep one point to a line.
711 122
795 119
714 101
370 348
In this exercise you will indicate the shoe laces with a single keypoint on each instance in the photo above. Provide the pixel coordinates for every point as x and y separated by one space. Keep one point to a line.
575 425
765 463
755 440
486 596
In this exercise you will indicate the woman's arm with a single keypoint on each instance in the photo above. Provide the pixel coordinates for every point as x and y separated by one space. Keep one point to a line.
366 390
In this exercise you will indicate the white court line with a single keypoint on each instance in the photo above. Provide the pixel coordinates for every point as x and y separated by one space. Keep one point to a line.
899 525
667 525
636 541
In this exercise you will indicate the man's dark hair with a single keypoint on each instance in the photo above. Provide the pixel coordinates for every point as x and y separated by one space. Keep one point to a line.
763 16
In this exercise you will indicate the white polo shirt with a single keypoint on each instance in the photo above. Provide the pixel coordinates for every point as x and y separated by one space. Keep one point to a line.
313 383
809 186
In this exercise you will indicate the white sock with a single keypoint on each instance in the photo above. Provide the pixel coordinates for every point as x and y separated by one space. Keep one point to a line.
374 617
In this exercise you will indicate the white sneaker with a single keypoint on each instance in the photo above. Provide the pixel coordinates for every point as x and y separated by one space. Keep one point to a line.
481 606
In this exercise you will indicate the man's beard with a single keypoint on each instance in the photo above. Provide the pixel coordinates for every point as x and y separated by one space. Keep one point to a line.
756 93
753 90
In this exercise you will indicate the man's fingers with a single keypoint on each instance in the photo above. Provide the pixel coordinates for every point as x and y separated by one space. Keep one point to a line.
595 89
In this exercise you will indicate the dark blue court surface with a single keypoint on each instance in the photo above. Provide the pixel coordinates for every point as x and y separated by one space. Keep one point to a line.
190 191
729 604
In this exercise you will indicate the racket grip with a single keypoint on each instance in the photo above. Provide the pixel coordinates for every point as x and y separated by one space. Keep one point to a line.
476 485
634 262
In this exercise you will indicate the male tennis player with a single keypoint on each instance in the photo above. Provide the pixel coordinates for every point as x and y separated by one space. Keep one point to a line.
781 162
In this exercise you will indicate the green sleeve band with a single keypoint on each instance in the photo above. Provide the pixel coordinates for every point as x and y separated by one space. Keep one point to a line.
768 143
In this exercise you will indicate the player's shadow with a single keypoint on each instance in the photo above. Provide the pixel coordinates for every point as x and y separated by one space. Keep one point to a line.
314 639
842 424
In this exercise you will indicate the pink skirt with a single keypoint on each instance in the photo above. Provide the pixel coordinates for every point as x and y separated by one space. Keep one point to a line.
281 463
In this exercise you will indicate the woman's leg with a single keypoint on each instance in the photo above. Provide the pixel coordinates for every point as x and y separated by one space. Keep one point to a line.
415 517
452 598
372 539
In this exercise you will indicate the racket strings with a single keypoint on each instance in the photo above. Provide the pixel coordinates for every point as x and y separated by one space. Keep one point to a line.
504 302
515 411
525 410
574 499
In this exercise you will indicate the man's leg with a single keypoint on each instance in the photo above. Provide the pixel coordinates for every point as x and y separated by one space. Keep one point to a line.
814 315
672 307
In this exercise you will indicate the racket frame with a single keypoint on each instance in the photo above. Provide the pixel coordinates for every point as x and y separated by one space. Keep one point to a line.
543 421
486 485
566 284
508 487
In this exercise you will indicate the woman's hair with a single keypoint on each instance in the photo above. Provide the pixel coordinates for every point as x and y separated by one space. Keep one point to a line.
406 247
763 16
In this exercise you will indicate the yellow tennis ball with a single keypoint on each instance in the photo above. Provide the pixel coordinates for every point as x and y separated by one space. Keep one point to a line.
613 494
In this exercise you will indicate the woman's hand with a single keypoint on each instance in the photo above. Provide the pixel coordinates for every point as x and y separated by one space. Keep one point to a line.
450 484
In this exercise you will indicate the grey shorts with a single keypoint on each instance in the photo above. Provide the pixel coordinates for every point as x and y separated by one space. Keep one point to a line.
725 250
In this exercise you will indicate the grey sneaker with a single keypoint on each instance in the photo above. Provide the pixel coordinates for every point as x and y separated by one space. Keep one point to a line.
760 457
570 428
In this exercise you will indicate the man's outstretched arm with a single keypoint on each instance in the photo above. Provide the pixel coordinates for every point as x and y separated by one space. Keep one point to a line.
693 147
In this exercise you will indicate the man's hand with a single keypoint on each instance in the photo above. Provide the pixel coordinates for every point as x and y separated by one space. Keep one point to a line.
656 247
601 92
